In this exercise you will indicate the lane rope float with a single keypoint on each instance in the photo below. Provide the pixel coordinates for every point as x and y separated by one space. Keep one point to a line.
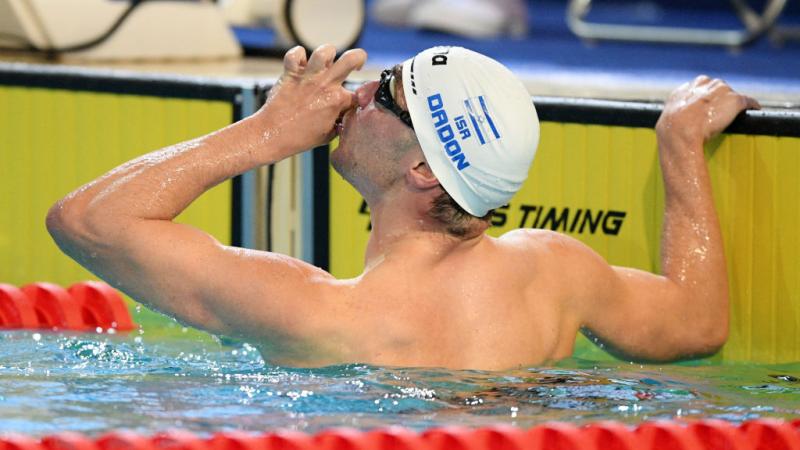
84 306
709 434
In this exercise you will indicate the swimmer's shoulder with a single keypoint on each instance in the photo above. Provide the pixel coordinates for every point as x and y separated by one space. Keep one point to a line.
557 247
556 263
535 238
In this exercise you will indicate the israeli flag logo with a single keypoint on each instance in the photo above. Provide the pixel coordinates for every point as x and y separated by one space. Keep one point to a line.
481 120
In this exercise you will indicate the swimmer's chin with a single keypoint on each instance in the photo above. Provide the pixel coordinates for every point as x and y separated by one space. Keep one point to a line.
335 159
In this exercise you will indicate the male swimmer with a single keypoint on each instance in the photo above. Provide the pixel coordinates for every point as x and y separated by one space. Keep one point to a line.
433 146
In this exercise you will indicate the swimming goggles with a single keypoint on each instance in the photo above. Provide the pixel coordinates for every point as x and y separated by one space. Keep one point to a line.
384 96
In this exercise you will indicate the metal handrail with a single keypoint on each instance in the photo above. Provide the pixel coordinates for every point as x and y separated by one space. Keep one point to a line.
754 26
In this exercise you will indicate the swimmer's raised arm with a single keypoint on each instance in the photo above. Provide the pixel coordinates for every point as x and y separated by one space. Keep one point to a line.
682 313
120 225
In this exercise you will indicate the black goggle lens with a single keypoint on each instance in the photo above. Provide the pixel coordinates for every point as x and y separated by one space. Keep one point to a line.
384 97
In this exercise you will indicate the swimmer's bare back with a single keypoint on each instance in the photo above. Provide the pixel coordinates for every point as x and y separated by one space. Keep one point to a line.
430 299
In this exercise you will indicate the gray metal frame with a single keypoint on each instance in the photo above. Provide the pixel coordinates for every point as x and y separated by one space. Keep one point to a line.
754 25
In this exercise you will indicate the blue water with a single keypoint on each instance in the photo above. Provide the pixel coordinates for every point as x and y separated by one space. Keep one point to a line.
95 383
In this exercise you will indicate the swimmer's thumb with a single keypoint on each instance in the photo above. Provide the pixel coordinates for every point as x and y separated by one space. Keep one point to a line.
352 101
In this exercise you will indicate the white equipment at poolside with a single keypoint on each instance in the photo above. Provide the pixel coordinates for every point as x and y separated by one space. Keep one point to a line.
117 30
309 23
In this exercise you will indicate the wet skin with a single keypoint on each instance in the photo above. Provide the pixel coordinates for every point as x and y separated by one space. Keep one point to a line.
426 298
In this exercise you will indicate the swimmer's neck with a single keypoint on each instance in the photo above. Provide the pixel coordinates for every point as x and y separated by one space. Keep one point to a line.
401 226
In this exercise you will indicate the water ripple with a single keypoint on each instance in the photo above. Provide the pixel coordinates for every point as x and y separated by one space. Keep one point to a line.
93 383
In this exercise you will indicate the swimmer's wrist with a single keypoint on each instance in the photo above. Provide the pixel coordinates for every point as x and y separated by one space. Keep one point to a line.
279 137
269 139
678 139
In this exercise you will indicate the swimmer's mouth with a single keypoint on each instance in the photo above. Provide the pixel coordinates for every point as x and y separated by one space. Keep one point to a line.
338 126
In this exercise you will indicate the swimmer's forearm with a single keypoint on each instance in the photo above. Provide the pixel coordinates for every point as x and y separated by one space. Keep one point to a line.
692 254
161 184
300 113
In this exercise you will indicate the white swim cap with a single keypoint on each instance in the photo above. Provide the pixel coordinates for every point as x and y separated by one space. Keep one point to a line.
475 122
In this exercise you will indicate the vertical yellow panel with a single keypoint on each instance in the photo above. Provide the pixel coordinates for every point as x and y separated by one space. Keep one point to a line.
349 225
762 310
787 273
758 211
52 141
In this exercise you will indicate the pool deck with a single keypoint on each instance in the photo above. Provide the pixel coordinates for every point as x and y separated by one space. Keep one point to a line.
550 59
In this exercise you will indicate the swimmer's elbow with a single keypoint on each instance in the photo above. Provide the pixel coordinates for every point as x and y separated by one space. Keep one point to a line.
63 224
59 221
70 225
703 338
716 336
710 326
708 346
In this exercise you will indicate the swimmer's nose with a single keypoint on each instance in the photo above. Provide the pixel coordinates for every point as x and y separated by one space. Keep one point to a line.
365 93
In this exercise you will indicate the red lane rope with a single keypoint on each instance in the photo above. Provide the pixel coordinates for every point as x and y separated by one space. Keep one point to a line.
84 306
102 306
54 307
760 434
16 311
90 304
609 435
68 441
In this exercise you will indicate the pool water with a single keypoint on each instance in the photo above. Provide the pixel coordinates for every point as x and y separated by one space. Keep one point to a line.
95 383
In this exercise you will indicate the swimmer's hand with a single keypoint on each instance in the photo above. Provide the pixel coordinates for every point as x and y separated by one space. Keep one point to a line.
302 109
698 111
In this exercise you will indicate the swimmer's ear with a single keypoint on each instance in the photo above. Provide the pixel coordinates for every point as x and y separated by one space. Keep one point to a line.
421 177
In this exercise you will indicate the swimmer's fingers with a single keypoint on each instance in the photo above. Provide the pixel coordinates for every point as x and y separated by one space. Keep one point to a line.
349 61
721 108
321 58
294 62
738 101
699 110
348 100
720 87
750 102
701 80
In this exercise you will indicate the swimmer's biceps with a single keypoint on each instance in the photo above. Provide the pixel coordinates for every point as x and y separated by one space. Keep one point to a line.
631 311
276 295
263 295
159 265
640 317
